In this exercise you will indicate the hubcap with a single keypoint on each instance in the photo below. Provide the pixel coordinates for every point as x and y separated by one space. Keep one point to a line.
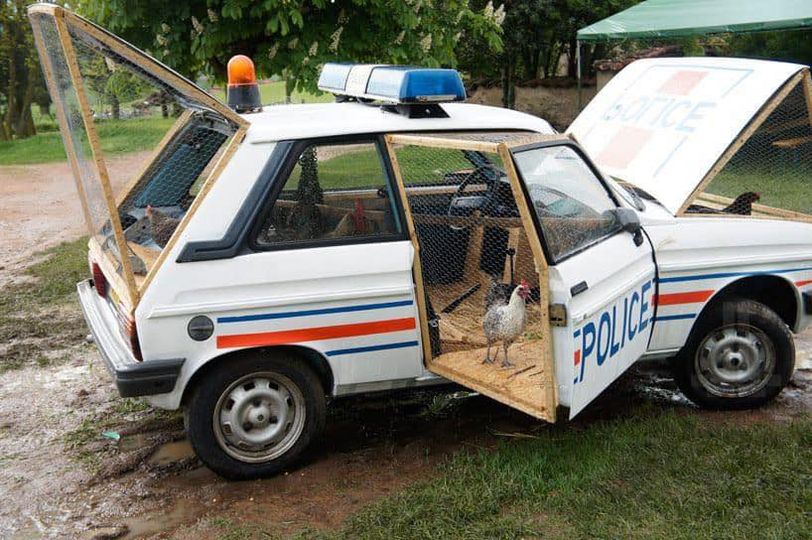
735 361
259 417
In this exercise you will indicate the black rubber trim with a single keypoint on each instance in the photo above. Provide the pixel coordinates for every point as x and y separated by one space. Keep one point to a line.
148 378
578 288
807 302
235 238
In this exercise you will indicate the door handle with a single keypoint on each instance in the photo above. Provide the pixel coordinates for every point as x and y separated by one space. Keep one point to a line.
577 289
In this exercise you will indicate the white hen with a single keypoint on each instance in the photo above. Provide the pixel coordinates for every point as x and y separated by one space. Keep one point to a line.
506 323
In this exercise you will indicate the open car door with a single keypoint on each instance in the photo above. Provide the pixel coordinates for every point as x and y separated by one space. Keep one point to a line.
480 273
108 93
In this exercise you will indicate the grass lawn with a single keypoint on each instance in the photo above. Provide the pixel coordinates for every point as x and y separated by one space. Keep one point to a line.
789 189
117 137
274 93
120 136
41 315
350 168
657 473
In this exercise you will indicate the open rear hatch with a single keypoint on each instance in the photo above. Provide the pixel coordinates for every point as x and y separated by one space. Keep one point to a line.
110 98
699 133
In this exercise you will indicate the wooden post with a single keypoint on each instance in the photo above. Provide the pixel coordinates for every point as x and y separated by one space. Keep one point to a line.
808 94
417 267
548 359
95 148
63 122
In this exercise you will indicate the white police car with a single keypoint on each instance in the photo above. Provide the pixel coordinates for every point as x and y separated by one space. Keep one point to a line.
320 255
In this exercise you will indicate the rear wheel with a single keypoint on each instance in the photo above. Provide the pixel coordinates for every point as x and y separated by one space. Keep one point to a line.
253 416
739 356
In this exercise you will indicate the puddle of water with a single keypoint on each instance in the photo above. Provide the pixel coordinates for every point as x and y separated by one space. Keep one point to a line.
142 526
171 453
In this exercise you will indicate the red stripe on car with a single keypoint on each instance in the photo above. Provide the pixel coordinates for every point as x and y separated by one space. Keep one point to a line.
674 299
283 337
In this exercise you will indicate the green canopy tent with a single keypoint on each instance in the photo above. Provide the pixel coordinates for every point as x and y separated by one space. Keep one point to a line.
664 19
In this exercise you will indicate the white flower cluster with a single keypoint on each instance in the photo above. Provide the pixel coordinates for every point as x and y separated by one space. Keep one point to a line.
213 15
399 39
273 50
496 15
335 39
197 25
314 49
425 43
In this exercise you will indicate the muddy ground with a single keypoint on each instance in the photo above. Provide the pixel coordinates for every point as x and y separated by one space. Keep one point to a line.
76 461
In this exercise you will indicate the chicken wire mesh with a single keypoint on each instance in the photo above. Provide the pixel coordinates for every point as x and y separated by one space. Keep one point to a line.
164 143
772 168
480 276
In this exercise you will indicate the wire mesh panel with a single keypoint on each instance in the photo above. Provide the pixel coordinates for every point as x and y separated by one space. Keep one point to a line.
773 168
484 300
141 139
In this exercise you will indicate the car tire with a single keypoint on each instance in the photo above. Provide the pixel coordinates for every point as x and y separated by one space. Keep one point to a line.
740 355
253 416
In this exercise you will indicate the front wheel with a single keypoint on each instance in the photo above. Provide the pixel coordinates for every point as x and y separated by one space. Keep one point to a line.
253 416
739 356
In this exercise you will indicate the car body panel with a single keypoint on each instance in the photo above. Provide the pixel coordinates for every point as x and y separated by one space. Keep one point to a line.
662 124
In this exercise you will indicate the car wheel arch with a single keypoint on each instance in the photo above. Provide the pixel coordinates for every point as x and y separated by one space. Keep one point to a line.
313 358
774 291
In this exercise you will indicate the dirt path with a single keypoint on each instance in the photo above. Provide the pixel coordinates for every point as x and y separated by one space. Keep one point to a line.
62 477
39 207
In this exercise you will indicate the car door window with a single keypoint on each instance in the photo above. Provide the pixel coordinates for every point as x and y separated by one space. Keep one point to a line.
335 192
572 205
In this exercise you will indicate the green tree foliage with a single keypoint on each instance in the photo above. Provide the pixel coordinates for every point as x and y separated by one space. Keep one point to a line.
535 35
789 46
293 38
21 81
112 85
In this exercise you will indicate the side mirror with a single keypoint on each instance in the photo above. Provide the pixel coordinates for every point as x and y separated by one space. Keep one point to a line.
630 222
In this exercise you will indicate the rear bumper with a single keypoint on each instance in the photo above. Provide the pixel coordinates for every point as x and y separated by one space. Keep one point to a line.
133 378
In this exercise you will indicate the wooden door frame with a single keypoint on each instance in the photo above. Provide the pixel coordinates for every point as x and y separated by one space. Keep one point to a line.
761 211
64 20
547 410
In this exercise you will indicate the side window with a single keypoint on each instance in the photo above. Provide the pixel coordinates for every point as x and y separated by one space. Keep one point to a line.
335 191
572 205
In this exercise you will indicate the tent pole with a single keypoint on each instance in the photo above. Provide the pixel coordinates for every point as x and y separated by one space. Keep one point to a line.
578 71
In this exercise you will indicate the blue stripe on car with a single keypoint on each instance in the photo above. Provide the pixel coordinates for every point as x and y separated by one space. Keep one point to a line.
309 312
373 348
700 277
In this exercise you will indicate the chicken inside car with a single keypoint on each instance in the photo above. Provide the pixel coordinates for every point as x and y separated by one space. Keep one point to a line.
265 260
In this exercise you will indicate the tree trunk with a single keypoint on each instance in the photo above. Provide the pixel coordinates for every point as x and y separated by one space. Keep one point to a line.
24 125
509 83
115 106
11 102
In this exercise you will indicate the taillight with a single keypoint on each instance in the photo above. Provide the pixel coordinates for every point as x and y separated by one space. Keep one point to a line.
132 334
99 281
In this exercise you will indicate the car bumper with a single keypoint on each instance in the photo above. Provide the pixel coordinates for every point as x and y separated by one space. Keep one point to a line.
132 378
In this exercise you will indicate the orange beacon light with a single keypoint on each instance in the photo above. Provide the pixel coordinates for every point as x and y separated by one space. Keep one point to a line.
243 90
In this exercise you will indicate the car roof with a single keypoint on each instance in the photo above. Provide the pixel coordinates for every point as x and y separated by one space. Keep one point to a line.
286 122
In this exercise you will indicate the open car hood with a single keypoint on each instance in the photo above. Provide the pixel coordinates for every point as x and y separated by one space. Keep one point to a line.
662 124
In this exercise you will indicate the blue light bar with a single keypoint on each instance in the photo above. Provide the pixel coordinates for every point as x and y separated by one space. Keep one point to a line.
392 84
333 77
